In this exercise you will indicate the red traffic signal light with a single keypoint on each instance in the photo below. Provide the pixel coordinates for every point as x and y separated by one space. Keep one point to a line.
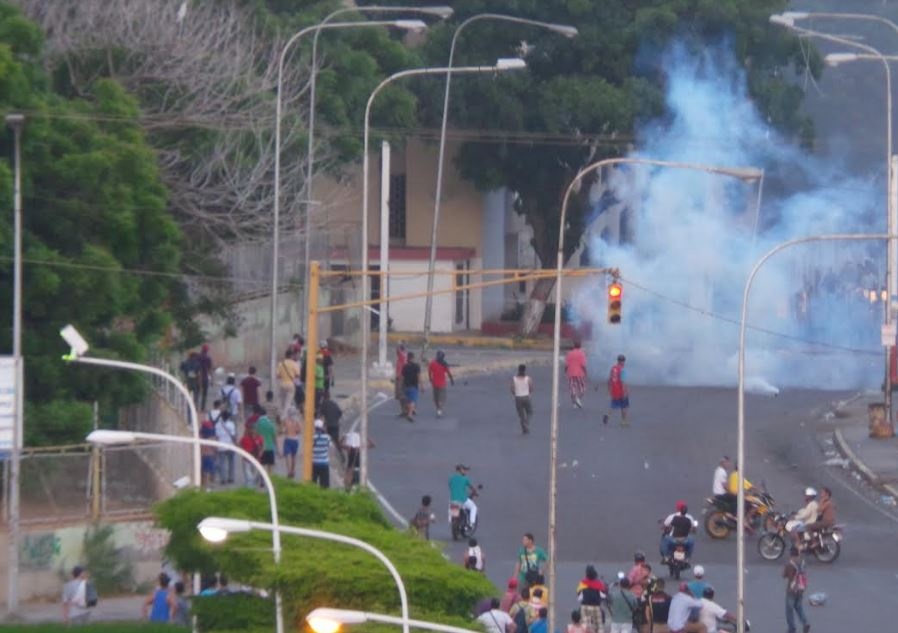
615 293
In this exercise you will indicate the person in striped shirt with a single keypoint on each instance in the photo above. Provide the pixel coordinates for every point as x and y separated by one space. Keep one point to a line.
321 443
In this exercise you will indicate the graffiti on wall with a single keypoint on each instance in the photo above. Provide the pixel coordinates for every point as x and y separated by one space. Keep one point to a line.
39 550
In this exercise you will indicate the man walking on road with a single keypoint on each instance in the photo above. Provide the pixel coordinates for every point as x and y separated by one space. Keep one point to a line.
575 368
530 561
411 377
438 371
618 392
521 389
796 583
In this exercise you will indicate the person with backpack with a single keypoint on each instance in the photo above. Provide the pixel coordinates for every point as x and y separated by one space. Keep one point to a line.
796 584
231 398
521 613
75 599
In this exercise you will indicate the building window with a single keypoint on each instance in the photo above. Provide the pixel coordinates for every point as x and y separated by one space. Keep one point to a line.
397 207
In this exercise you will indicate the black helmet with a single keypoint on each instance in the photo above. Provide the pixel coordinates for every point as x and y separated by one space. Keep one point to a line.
639 557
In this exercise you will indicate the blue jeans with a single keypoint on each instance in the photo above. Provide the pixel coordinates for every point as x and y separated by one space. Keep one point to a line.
794 603
225 467
668 542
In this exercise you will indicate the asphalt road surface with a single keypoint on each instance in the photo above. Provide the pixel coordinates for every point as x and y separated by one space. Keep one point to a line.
615 484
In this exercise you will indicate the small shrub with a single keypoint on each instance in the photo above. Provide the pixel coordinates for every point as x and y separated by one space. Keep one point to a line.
109 572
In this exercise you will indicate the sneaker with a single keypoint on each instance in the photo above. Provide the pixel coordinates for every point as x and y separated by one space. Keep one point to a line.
605 419
578 403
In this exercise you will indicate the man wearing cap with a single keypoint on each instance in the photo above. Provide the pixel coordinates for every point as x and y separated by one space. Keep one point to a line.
460 490
698 585
511 595
321 443
678 527
681 607
711 612
808 514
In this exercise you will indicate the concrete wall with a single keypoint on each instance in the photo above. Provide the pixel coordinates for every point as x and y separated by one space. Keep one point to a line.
47 555
408 316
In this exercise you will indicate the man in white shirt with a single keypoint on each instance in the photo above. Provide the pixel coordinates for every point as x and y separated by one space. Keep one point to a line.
496 620
680 608
74 598
808 514
719 486
712 612
226 433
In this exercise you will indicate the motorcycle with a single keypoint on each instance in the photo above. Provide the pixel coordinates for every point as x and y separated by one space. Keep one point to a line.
460 520
719 521
679 559
825 544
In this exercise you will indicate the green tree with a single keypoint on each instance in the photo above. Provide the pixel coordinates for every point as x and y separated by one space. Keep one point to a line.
315 573
93 206
592 91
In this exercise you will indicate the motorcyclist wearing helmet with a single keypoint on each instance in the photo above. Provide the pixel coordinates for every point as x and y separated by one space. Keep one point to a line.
808 514
826 512
678 527
461 490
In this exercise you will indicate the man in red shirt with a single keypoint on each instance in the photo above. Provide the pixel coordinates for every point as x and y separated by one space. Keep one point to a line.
618 392
401 360
250 387
438 371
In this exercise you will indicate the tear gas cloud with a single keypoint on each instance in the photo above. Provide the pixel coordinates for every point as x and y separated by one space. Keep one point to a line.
691 238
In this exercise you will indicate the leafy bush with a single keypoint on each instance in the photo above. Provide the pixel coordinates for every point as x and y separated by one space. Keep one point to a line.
236 612
110 573
101 627
317 573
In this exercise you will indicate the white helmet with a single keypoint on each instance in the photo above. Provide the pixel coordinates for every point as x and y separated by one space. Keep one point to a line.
810 492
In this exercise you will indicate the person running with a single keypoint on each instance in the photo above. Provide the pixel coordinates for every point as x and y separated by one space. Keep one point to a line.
438 371
522 389
411 377
291 441
618 392
575 368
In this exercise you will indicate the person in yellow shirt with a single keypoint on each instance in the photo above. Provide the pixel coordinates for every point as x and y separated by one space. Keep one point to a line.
733 489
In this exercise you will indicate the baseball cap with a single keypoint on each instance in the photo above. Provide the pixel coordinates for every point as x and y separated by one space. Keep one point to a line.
319 424
512 583
698 571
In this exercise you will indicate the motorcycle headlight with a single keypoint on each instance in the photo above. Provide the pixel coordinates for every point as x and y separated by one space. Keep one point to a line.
837 536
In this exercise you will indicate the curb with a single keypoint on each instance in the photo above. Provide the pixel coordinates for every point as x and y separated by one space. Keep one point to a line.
462 340
860 466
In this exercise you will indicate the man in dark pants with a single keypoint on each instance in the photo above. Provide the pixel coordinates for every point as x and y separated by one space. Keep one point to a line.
205 376
332 413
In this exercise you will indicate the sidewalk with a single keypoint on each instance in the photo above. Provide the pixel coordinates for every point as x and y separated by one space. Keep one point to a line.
875 459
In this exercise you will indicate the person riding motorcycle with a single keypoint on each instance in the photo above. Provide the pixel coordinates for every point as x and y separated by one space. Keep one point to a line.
678 527
461 491
733 492
826 513
808 514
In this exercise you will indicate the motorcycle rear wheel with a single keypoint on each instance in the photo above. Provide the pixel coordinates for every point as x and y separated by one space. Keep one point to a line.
830 550
716 524
771 546
455 528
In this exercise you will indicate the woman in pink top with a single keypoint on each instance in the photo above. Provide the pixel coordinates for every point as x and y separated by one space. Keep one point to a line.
575 368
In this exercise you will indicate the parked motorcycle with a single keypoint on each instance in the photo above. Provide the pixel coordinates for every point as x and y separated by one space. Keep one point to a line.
460 520
719 521
825 544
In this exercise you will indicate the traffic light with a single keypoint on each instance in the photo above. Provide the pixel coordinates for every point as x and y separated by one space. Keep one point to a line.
615 294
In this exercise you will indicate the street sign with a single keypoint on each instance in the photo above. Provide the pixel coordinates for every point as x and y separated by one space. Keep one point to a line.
7 404
888 334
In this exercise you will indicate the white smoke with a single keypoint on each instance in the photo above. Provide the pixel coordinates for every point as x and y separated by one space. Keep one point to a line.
694 237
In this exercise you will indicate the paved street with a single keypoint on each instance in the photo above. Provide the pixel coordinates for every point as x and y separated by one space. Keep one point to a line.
615 484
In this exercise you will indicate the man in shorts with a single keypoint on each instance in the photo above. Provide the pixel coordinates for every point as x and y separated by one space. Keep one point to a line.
438 371
618 392
411 377
291 441
267 430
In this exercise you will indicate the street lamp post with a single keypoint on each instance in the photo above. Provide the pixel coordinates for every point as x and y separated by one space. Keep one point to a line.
364 322
441 12
563 29
16 122
748 174
787 20
276 212
105 437
740 395
328 620
217 529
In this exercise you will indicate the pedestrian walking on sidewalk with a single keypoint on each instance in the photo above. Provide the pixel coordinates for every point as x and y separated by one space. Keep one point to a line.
411 378
438 371
231 398
618 392
75 609
522 389
575 368
796 584
288 375
321 467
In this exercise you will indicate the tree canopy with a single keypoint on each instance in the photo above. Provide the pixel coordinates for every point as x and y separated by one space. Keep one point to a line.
581 99
94 211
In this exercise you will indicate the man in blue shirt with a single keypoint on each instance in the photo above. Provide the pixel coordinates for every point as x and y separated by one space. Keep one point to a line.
460 490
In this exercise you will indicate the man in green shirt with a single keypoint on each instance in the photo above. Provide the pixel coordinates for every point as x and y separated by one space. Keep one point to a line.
266 428
530 561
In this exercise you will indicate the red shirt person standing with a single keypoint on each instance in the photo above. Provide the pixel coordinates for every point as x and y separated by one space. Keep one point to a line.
575 368
617 391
